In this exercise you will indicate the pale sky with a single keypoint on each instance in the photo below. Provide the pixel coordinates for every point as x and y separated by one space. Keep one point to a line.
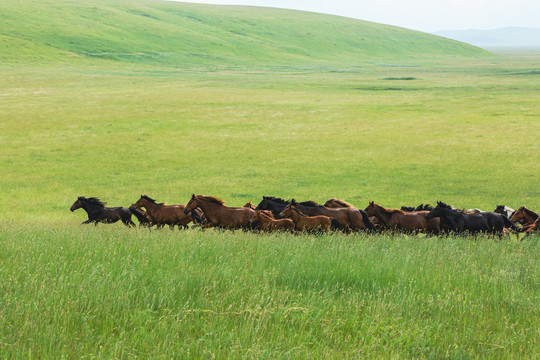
423 15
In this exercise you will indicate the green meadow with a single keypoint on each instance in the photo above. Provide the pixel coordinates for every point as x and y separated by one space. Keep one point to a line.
118 99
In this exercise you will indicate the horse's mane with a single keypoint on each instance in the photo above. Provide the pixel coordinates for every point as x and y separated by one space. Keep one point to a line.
390 211
529 211
341 202
263 213
211 199
148 198
95 201
423 207
309 203
440 204
276 199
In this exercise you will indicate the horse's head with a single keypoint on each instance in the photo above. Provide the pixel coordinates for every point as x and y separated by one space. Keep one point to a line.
77 204
139 204
287 211
438 210
500 209
518 215
371 209
192 204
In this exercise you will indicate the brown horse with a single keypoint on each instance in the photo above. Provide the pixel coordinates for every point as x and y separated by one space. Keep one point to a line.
220 215
302 222
268 223
162 214
524 216
407 221
341 204
349 218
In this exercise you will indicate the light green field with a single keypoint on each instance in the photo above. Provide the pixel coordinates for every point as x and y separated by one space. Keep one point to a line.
105 110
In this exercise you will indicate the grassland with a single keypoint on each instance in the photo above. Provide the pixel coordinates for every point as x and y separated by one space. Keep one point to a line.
394 128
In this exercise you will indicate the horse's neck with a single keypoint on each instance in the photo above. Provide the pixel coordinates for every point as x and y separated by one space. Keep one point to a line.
295 215
90 209
209 208
531 214
383 214
150 206
264 219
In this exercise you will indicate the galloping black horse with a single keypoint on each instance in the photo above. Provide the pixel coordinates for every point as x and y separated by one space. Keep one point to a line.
97 212
459 221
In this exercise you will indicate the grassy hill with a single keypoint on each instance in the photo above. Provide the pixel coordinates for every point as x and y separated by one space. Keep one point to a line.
182 34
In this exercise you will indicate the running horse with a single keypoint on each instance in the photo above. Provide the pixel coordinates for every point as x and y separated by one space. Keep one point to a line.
162 214
402 220
302 222
218 214
524 216
349 218
98 213
460 221
335 203
268 223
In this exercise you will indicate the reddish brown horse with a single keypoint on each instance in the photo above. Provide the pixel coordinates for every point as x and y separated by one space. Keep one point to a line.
162 214
524 216
406 221
302 222
220 215
268 223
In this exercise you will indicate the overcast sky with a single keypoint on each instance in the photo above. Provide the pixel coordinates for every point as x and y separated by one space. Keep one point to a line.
423 15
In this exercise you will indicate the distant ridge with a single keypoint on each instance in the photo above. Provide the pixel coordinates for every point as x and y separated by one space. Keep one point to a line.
184 34
505 37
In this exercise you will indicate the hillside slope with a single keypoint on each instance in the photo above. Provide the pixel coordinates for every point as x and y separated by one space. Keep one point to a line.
180 34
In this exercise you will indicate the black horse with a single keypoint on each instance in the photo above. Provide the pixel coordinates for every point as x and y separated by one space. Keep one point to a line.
274 204
97 212
459 221
141 216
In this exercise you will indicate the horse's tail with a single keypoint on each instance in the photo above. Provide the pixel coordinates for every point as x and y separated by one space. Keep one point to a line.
367 222
510 224
335 225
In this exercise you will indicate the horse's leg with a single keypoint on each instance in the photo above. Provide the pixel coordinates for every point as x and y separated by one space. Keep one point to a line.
87 221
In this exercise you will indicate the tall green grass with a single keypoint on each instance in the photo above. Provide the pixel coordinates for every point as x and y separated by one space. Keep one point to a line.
116 292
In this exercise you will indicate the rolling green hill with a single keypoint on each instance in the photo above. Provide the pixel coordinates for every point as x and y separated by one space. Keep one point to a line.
182 34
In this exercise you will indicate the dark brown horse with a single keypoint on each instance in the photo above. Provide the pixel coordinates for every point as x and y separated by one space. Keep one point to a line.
98 213
162 214
302 222
268 223
401 220
524 216
220 215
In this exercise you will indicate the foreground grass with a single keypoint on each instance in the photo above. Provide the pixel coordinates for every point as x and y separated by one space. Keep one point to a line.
114 292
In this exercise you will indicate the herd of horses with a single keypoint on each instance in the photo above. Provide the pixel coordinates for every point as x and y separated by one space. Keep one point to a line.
276 214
